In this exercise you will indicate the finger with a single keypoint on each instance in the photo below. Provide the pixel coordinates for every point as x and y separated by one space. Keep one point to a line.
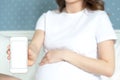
30 62
8 52
30 53
44 61
41 63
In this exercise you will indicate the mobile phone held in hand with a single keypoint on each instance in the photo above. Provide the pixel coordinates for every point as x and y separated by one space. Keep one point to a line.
19 54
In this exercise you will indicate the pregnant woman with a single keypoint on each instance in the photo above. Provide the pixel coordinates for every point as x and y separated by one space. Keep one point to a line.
78 41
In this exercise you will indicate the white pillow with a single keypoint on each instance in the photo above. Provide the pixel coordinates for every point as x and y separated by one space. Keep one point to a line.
4 63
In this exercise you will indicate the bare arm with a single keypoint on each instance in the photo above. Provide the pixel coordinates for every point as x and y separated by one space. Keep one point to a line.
35 46
104 65
37 40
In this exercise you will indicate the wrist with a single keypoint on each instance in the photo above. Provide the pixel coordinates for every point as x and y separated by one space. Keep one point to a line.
66 55
33 48
69 56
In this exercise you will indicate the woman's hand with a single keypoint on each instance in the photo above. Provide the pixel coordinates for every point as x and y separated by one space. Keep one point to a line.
31 55
34 47
53 56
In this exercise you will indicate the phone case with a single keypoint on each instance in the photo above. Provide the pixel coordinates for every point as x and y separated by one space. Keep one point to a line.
19 54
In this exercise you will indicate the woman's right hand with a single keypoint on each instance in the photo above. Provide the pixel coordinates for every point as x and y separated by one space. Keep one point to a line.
32 56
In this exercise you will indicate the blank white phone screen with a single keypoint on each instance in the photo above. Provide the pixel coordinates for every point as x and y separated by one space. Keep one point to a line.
18 54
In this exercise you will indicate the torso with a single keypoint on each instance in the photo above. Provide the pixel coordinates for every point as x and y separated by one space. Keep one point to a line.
69 31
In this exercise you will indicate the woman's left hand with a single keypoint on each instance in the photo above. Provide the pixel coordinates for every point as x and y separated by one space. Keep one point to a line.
53 56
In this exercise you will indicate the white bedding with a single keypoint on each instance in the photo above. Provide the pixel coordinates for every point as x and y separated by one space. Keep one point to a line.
4 63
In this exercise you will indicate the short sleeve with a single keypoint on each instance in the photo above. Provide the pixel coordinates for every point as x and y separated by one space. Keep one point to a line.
104 30
41 23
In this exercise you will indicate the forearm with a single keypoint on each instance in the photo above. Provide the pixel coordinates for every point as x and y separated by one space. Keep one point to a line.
95 66
37 41
34 48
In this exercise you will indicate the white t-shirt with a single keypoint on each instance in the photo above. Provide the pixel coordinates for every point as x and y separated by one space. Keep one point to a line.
79 32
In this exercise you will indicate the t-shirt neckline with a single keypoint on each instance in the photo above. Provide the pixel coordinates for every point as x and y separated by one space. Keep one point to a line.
76 13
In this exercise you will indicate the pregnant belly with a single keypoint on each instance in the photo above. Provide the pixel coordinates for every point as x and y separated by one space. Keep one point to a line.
62 71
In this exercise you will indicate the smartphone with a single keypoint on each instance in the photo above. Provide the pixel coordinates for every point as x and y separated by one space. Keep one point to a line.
19 54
